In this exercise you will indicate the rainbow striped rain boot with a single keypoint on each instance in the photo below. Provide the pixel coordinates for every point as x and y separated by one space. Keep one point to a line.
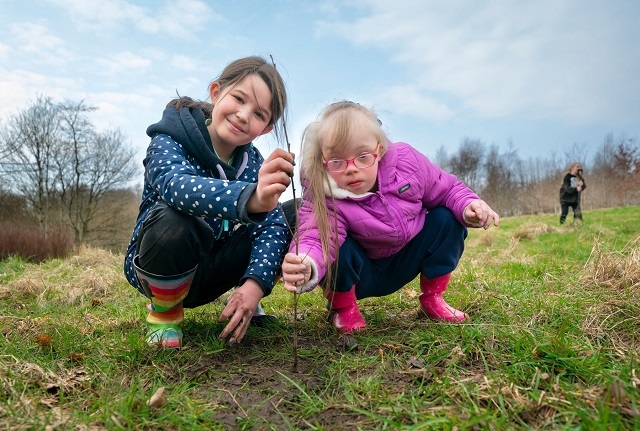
165 309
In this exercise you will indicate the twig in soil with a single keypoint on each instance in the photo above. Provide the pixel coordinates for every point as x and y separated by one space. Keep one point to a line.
297 234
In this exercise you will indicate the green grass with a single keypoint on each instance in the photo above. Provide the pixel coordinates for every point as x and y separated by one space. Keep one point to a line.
552 345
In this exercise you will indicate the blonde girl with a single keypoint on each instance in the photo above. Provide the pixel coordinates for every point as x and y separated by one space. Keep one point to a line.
374 215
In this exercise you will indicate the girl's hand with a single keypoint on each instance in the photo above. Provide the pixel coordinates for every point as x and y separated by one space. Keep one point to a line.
273 179
239 310
296 271
479 214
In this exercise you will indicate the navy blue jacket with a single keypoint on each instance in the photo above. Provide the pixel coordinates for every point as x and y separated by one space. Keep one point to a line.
182 169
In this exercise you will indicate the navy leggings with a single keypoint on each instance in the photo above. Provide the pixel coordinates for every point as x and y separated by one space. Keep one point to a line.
435 251
172 242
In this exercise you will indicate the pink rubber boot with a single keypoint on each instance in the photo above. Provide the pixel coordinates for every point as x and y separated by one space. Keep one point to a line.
433 305
344 312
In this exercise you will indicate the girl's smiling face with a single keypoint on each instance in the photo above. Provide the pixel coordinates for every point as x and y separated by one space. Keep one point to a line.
354 179
240 114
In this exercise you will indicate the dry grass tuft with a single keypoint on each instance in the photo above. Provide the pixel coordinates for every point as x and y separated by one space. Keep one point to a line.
532 231
52 382
618 318
486 239
91 274
614 269
616 321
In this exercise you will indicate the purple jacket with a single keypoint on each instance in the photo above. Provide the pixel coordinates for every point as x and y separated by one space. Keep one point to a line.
385 221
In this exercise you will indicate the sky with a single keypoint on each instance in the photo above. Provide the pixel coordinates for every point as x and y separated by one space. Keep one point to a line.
537 77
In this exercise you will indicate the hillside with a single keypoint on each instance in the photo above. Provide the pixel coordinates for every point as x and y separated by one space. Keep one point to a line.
552 344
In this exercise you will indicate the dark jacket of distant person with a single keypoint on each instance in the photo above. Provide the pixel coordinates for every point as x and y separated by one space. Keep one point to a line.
569 193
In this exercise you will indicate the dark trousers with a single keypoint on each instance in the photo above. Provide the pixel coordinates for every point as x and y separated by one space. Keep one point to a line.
577 212
172 242
435 251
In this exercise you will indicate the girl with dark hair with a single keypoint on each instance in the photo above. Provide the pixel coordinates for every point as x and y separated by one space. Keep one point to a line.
210 220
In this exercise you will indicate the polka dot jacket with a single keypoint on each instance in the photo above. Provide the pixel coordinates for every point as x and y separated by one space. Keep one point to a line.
182 169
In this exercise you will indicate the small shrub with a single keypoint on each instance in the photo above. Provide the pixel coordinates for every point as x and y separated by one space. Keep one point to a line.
34 244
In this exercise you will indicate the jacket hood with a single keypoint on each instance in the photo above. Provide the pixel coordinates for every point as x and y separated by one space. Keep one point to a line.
187 127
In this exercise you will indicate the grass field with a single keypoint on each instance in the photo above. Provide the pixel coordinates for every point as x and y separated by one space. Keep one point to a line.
553 344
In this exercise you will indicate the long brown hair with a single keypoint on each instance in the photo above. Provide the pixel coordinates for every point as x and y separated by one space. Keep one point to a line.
333 129
235 72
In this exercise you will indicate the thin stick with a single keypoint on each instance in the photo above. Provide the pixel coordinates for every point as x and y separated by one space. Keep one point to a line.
297 237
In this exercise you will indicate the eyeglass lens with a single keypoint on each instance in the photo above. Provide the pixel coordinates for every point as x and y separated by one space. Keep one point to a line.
362 161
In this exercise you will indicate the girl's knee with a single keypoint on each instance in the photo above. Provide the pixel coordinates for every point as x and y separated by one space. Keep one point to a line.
441 214
170 229
167 230
444 218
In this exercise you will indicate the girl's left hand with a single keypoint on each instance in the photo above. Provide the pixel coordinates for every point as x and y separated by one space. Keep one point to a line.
239 310
296 271
479 214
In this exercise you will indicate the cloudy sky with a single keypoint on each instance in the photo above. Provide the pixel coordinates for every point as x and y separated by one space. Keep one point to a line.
541 74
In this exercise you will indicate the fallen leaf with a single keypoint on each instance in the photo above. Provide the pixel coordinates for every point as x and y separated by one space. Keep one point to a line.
44 340
416 362
157 400
616 394
76 357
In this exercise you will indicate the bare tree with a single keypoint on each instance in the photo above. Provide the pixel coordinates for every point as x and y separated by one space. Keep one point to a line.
13 207
28 145
501 189
59 164
89 165
604 171
626 158
467 163
576 153
116 215
442 158
539 185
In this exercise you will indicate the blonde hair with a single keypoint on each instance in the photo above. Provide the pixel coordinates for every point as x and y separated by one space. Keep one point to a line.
333 129
573 165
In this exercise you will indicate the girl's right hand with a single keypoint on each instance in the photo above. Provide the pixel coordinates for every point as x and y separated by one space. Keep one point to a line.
273 179
296 271
479 214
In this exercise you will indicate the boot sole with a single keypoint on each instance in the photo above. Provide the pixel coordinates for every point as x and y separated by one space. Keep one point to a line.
342 331
465 317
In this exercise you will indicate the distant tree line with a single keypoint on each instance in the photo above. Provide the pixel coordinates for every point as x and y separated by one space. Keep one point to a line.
58 172
513 186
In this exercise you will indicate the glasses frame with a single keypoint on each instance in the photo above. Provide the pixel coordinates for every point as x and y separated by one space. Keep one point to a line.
375 155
